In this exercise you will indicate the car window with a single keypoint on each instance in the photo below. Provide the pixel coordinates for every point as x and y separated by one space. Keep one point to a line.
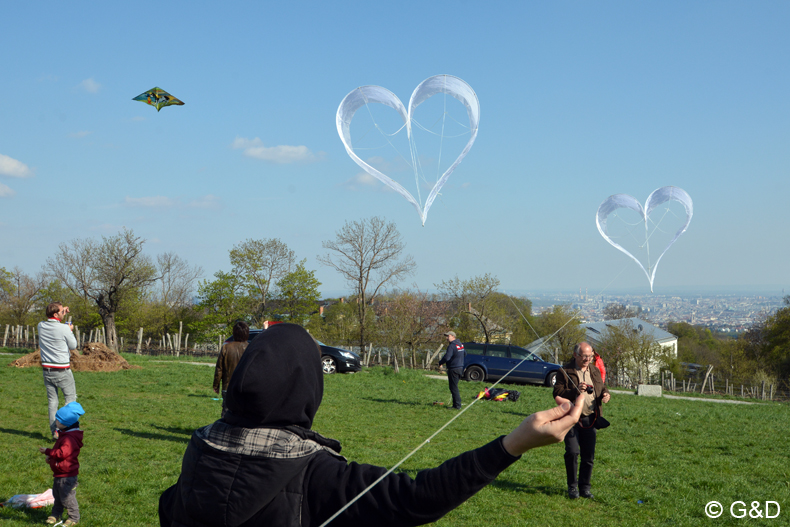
519 353
496 351
474 349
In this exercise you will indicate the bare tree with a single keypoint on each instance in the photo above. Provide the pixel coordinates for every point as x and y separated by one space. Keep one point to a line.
630 350
616 311
20 294
413 319
106 272
178 279
175 288
262 263
367 254
474 297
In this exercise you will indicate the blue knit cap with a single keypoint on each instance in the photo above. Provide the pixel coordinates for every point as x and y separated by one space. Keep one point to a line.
70 414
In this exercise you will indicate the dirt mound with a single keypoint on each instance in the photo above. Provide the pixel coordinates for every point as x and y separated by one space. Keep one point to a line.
95 356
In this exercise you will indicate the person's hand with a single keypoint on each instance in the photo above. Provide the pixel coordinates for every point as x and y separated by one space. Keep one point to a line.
216 390
42 450
544 428
582 386
605 397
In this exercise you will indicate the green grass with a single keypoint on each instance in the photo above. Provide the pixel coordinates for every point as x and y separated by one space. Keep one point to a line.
673 455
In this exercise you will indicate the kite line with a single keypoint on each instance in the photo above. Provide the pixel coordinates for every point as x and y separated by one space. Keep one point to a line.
463 410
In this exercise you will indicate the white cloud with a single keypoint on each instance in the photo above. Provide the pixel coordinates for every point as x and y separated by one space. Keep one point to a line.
206 202
79 135
5 191
13 168
90 85
150 201
276 154
365 182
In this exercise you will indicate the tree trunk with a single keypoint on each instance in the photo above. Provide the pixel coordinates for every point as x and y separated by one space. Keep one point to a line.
111 335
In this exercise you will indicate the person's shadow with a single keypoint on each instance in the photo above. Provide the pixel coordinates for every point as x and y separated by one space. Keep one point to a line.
526 489
32 435
182 435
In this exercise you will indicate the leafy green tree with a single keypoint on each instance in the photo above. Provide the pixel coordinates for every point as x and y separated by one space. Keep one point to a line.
339 324
260 264
776 339
297 294
561 331
515 314
223 301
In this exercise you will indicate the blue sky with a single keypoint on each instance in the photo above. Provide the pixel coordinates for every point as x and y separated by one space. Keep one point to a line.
579 101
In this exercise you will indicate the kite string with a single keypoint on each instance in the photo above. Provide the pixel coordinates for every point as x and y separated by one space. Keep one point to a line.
463 410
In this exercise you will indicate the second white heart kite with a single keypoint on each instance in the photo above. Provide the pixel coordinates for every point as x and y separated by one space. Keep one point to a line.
446 84
656 198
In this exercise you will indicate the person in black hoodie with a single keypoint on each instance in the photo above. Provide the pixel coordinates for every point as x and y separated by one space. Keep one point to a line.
263 465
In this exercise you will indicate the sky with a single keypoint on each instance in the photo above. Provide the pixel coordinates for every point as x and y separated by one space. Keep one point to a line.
579 101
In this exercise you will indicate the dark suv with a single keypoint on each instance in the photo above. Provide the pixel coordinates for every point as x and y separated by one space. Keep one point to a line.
332 359
487 362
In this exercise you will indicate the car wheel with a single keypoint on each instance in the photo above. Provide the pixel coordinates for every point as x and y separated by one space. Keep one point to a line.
551 379
475 374
328 364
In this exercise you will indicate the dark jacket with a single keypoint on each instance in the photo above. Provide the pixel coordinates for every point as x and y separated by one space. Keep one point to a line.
262 465
229 357
454 356
565 389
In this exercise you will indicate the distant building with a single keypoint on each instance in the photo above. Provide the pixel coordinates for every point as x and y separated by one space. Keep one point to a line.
597 330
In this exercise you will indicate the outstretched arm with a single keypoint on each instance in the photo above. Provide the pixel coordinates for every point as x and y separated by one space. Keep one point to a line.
544 428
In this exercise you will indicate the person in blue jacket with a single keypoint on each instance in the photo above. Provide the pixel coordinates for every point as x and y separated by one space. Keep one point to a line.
454 358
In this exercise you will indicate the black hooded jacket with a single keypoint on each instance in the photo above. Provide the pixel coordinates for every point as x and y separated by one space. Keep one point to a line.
262 465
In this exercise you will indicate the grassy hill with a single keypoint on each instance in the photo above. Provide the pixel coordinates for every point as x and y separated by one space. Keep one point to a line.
673 456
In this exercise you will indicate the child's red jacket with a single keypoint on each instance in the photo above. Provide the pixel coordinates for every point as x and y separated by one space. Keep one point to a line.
63 454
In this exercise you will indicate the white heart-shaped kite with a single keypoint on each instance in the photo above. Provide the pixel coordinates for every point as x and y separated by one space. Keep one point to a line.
656 198
431 86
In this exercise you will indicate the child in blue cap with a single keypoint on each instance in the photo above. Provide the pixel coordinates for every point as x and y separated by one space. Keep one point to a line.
62 458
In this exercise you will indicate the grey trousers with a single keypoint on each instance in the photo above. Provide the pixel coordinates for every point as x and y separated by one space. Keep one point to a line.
54 379
65 492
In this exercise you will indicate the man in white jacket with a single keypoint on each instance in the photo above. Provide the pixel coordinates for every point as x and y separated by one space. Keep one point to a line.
56 339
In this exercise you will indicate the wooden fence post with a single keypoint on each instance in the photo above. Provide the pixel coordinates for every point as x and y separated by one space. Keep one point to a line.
139 339
705 381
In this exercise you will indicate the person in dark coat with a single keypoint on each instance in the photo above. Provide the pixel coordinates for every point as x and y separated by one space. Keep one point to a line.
262 465
454 359
583 373
229 357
